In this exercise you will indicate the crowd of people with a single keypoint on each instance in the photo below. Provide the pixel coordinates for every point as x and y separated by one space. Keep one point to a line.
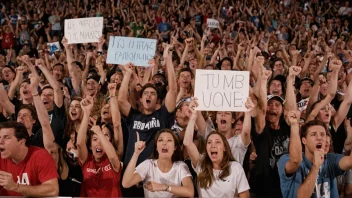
73 125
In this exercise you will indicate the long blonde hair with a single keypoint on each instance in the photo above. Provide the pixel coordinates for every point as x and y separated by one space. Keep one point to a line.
206 176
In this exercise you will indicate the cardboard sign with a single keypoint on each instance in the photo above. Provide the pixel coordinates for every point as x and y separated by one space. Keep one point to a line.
53 47
84 30
128 49
221 90
212 23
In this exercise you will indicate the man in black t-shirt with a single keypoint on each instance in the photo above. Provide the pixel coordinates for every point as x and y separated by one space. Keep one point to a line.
150 120
270 135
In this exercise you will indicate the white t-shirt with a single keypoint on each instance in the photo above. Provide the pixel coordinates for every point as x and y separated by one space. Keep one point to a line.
149 171
238 149
230 186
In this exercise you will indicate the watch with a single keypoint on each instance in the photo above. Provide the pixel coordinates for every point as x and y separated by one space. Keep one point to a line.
168 189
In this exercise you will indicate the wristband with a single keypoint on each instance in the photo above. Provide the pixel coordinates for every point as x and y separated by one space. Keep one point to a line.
36 94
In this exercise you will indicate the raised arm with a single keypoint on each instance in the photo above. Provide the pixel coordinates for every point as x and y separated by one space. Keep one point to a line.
43 117
72 70
18 79
341 113
116 119
246 130
291 103
108 147
170 99
188 139
295 143
124 105
306 189
5 102
262 102
58 96
130 178
335 65
86 105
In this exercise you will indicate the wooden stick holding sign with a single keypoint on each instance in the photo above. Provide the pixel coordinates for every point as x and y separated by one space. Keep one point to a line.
221 90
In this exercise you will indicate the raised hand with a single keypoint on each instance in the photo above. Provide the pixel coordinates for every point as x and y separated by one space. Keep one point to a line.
151 63
87 104
40 63
65 42
96 129
249 104
293 117
318 159
260 60
266 74
335 65
35 80
294 70
112 89
127 67
139 145
20 70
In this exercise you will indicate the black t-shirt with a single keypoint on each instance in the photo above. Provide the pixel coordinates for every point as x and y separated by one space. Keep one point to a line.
71 186
147 126
58 122
270 146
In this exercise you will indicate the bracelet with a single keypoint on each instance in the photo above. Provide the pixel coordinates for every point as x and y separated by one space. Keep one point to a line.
36 94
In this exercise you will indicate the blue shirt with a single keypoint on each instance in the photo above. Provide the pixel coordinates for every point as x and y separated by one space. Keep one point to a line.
326 185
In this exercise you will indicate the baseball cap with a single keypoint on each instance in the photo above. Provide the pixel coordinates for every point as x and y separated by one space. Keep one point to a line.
275 97
183 100
93 76
280 78
298 85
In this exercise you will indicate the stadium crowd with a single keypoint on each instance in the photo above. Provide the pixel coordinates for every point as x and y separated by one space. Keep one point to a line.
72 125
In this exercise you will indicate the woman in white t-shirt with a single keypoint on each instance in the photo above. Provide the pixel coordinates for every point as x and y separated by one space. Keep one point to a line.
219 175
164 175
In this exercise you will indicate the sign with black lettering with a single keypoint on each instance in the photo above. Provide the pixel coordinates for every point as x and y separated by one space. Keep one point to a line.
212 23
84 30
128 49
221 90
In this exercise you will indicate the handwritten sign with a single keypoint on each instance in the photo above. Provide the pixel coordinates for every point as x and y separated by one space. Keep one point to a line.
53 47
212 23
84 30
221 90
127 49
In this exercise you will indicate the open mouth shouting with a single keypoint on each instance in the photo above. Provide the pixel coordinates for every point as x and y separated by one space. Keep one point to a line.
213 154
319 146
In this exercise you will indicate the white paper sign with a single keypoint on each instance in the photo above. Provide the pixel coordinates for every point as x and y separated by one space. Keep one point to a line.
84 30
221 90
212 23
128 49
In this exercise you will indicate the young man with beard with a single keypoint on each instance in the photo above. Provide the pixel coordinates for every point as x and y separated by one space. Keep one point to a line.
151 119
24 170
238 143
270 135
311 173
